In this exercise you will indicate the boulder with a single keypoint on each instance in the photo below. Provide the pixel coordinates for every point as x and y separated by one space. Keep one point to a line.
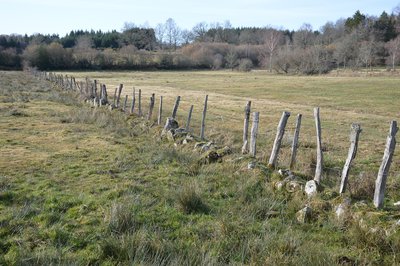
170 123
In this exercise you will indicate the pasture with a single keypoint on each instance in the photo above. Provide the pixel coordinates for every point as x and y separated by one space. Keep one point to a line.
85 186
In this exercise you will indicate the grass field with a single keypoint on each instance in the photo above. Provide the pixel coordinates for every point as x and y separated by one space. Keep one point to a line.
85 186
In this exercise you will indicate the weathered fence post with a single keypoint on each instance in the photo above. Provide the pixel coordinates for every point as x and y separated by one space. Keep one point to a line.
318 168
380 183
151 107
203 119
95 88
125 103
119 94
140 103
104 98
189 118
253 134
160 111
354 135
176 105
295 142
278 140
133 101
245 147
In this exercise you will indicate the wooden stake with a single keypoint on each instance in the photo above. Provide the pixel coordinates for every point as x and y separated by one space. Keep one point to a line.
245 147
140 103
380 183
115 97
189 118
278 139
151 107
119 94
354 135
253 134
176 105
160 111
318 168
295 142
133 101
203 119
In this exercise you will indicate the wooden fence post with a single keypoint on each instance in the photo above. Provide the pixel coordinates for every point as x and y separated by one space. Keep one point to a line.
278 140
133 101
253 134
203 119
354 136
245 147
160 111
119 94
318 168
189 118
140 103
95 88
295 142
104 98
380 183
151 107
176 105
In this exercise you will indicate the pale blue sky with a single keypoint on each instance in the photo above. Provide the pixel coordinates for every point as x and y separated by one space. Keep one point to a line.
53 16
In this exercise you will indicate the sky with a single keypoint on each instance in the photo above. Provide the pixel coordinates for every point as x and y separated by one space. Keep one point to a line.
60 17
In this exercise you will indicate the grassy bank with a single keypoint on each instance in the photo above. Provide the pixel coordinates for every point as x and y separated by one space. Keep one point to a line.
81 186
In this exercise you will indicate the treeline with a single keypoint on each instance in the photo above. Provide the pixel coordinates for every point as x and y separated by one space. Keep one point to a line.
354 42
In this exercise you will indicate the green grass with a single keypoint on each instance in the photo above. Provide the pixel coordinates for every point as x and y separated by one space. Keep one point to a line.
80 185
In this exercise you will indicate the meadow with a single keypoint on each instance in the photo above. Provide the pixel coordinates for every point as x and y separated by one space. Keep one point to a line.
85 186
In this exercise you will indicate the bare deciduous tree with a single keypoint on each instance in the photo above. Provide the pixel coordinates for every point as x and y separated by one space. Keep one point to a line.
393 48
271 42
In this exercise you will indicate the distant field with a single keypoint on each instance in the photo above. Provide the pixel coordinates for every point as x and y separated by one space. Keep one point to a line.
372 101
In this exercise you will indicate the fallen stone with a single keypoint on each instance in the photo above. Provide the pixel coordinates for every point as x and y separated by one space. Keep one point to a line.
224 151
311 188
279 185
304 215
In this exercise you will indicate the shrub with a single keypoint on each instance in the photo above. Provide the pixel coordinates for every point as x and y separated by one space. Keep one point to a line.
245 64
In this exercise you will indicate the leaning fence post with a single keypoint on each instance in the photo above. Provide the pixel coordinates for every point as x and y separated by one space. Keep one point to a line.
380 183
245 147
318 168
151 106
176 105
354 135
253 134
160 111
119 93
203 119
295 142
133 101
278 140
189 118
140 103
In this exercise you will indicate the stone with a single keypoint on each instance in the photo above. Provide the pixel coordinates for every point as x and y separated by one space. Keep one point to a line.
311 188
397 204
224 151
304 215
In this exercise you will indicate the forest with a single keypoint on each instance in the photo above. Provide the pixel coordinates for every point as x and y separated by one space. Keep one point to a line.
359 41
